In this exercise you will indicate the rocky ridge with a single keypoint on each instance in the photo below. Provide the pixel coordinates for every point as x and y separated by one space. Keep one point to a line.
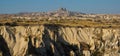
52 40
59 33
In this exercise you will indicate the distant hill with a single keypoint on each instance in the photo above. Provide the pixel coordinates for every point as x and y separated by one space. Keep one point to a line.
59 12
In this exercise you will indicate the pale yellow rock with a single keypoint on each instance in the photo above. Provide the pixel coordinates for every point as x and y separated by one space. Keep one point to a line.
60 41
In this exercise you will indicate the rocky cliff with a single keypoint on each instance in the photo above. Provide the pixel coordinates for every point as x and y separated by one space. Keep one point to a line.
52 40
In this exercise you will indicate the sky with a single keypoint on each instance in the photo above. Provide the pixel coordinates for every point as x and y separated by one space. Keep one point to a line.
85 6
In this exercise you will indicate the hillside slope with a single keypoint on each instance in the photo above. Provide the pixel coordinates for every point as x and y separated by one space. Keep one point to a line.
52 40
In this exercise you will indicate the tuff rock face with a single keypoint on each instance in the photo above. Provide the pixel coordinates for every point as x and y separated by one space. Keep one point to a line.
51 40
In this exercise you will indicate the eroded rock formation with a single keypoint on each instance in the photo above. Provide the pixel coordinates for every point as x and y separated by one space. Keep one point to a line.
51 40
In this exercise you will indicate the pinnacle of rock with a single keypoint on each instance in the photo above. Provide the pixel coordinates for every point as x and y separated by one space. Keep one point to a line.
62 9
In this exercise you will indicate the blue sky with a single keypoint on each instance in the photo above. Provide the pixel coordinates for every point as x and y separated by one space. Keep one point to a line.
86 6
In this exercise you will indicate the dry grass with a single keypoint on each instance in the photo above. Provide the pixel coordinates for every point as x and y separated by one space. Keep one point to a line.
62 22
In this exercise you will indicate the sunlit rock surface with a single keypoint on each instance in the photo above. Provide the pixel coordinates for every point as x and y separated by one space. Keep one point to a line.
52 40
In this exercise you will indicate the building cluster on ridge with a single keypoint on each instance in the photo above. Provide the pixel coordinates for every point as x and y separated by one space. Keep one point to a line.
61 13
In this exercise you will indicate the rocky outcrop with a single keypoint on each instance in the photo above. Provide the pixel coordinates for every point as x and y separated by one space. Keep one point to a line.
52 40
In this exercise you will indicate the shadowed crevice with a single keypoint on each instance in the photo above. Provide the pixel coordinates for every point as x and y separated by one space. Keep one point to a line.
4 47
